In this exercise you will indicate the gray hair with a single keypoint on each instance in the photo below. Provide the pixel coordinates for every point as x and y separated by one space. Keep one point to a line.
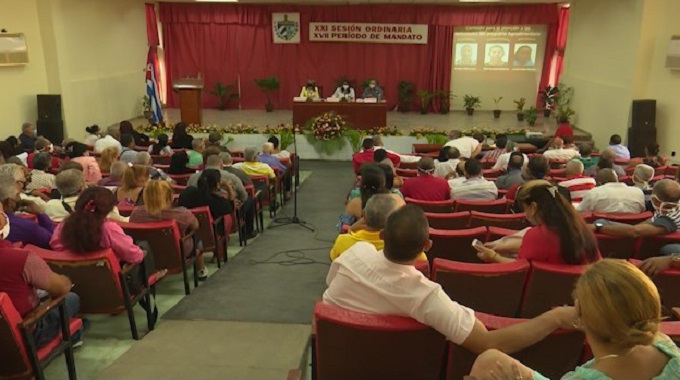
226 158
250 153
8 187
267 147
12 170
143 158
70 182
510 146
195 143
574 167
377 209
117 169
214 161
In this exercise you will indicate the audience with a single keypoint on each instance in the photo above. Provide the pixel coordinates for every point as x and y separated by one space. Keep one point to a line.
373 181
475 187
621 151
215 139
107 157
366 155
559 152
426 187
606 161
652 156
195 154
502 161
459 174
469 147
130 190
445 166
619 311
144 159
43 145
21 177
281 154
111 139
178 164
160 147
268 158
16 150
252 166
92 134
115 175
40 178
23 230
577 184
228 166
407 158
180 138
514 174
380 157
27 137
125 128
129 153
500 142
78 153
642 174
588 161
367 280
612 196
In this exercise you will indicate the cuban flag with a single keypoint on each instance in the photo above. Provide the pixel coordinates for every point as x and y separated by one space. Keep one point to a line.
152 91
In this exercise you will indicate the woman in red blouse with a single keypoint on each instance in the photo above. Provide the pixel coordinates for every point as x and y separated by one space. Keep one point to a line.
559 236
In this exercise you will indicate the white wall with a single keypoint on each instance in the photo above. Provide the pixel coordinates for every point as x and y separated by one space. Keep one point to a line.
20 84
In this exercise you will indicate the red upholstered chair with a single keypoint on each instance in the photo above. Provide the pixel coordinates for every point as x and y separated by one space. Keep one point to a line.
616 247
166 244
270 196
668 284
557 164
449 220
406 173
488 163
352 345
212 233
101 283
489 288
509 221
624 218
20 358
587 216
159 159
650 246
498 206
502 193
561 172
256 195
555 355
455 245
671 171
672 328
180 179
125 209
660 171
432 206
408 165
496 233
549 285
426 148
177 189
491 174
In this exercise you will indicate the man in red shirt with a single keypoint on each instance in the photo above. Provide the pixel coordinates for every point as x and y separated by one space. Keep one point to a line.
366 155
564 129
426 187
43 145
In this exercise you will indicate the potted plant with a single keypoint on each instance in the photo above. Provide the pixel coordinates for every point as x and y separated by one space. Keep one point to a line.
563 101
520 108
405 92
470 103
268 85
146 106
548 96
497 111
225 94
425 100
530 115
444 98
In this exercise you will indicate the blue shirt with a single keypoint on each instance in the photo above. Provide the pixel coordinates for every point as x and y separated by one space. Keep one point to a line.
27 142
29 232
272 161
620 151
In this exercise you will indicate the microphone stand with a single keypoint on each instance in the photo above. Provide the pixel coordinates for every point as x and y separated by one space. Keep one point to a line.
296 168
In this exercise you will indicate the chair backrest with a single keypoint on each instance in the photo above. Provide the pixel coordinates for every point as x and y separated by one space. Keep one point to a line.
432 206
555 355
671 171
616 247
488 288
161 159
205 227
408 173
353 345
624 218
668 284
491 174
163 238
509 221
408 165
496 206
94 276
427 148
449 220
455 245
650 246
180 179
549 285
496 233
177 189
14 363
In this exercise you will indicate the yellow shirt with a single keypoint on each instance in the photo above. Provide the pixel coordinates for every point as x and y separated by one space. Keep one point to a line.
251 168
314 94
344 241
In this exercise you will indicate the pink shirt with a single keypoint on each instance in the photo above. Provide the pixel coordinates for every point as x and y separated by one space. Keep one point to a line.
112 237
91 170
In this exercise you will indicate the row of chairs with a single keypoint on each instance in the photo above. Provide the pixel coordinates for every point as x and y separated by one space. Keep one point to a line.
497 206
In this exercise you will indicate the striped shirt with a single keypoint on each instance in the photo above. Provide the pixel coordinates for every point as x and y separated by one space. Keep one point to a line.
475 189
669 221
578 186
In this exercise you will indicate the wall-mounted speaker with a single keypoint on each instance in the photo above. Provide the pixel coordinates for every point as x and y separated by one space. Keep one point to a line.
49 107
643 114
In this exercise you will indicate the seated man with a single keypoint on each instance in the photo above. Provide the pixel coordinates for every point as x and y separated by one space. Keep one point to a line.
144 159
268 158
469 147
129 154
366 155
228 166
115 175
620 151
27 137
378 144
24 230
447 169
281 154
43 145
514 174
588 161
196 153
40 178
111 139
373 91
22 273
502 160
426 187
612 196
577 184
475 187
367 280
252 166
501 142
215 139
559 152
606 161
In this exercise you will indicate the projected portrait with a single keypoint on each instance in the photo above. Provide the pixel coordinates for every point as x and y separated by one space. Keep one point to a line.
496 55
466 54
524 56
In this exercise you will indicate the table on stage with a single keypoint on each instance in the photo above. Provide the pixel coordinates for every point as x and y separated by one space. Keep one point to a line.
358 115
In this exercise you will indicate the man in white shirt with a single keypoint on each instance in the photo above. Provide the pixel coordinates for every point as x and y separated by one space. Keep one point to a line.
577 184
111 139
502 160
366 280
407 158
559 152
466 145
612 196
620 151
447 169
475 187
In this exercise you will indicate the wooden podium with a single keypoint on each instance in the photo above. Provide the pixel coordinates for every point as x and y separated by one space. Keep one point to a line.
189 99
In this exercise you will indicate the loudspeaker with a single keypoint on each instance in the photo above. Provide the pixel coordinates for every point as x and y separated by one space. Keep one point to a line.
643 114
52 130
638 139
49 107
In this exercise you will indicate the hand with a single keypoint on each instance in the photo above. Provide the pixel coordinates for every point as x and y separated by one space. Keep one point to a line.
654 265
237 203
30 207
485 254
40 195
509 371
564 317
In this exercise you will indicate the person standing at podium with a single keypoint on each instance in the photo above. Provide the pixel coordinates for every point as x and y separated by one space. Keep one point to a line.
373 91
310 91
344 92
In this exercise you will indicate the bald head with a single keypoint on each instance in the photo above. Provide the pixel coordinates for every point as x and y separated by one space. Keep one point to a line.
643 173
606 176
558 143
667 190
214 161
574 167
268 148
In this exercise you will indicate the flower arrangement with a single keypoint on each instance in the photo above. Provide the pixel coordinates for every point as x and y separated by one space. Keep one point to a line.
154 129
203 128
240 129
491 133
382 131
329 133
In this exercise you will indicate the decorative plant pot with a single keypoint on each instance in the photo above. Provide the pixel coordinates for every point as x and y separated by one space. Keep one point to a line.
496 114
520 117
546 113
470 111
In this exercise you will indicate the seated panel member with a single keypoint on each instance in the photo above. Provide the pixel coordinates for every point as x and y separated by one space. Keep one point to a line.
344 92
310 91
373 91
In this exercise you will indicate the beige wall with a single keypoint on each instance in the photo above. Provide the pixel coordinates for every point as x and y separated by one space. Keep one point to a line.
20 84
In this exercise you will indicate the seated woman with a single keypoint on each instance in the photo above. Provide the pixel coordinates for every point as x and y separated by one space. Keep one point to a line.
559 236
92 134
107 157
135 178
126 128
344 92
180 138
373 181
78 153
157 206
310 91
390 181
160 147
178 164
619 310
652 156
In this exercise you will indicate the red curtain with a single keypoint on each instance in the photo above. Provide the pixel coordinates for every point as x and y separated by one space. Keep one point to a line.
563 24
225 42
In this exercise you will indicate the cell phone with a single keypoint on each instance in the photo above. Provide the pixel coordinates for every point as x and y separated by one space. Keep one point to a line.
476 243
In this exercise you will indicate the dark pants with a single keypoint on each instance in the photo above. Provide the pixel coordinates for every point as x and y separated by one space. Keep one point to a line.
287 180
248 210
50 325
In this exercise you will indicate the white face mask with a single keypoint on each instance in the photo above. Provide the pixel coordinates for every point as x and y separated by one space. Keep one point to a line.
372 85
5 230
345 86
50 148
